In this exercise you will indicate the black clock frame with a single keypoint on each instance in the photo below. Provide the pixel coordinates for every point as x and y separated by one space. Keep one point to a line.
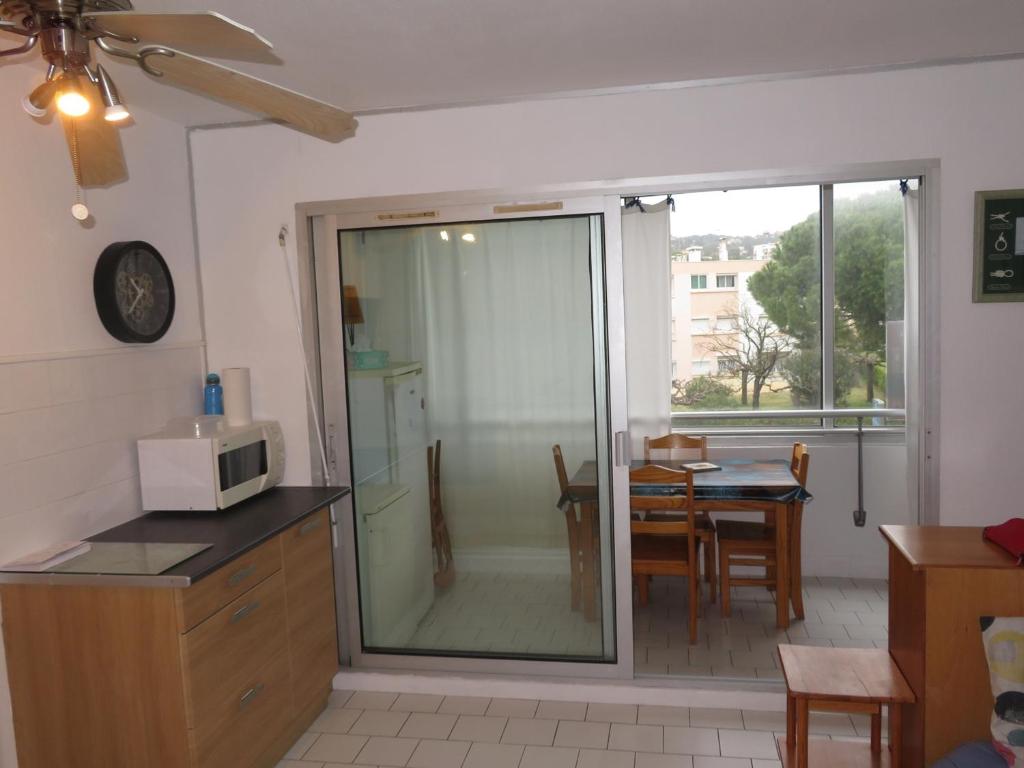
105 292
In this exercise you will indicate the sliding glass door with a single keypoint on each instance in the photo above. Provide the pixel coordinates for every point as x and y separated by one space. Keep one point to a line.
473 405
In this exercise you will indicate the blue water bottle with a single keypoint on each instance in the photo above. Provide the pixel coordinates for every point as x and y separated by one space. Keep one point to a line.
213 396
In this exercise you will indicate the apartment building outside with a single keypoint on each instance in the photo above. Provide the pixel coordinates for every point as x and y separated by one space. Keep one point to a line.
708 292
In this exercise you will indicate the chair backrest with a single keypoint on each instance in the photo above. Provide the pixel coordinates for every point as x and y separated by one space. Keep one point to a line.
676 441
652 474
800 462
563 478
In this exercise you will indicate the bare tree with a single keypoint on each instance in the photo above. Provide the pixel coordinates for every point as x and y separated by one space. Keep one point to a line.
755 347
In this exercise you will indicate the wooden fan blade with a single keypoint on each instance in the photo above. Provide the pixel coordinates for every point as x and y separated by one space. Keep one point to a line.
100 159
237 89
205 33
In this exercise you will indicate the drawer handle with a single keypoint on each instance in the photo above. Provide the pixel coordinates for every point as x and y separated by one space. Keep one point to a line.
244 611
237 578
312 525
249 695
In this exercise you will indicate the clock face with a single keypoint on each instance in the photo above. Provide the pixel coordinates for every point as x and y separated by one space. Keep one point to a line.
134 292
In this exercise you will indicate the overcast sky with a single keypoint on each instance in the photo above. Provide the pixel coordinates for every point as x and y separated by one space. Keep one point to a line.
753 211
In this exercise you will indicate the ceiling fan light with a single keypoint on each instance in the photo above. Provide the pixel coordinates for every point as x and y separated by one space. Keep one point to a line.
116 113
70 99
38 102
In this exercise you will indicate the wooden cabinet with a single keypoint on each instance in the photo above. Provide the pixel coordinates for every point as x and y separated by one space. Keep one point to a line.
941 580
226 672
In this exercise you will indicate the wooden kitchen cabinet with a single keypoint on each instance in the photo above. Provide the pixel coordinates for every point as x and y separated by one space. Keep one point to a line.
226 672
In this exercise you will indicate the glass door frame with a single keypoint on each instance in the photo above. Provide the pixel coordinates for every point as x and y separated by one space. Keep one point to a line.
318 225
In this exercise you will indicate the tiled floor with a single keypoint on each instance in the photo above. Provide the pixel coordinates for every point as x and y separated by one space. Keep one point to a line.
508 613
526 614
844 613
427 731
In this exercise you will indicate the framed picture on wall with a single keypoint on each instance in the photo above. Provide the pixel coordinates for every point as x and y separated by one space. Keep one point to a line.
999 245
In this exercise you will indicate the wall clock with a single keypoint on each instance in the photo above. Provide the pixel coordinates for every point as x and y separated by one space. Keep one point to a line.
134 292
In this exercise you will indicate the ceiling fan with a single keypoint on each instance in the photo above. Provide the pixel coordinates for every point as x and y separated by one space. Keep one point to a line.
166 46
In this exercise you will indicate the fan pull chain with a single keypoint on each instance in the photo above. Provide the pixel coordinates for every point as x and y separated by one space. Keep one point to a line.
78 209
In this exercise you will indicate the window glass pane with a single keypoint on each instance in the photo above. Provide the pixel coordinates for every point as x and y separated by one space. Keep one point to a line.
452 344
755 343
869 262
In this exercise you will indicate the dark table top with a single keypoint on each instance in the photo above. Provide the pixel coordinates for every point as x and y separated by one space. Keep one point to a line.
737 479
232 532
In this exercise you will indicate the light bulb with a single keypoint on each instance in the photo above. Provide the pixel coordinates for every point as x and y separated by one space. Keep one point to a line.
72 103
80 211
444 235
469 237
116 113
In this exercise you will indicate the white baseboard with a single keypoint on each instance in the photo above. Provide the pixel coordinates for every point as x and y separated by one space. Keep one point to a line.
650 691
542 561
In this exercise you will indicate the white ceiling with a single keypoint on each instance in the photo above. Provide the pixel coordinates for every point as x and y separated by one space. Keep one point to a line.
381 54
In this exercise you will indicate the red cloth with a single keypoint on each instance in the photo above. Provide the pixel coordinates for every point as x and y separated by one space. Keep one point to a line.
1009 536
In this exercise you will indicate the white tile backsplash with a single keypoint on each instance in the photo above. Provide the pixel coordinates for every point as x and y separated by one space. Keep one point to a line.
68 426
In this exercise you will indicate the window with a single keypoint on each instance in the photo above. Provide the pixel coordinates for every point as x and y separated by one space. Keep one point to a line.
763 337
728 365
700 325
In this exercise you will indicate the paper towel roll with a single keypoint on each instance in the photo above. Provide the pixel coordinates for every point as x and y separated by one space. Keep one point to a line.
237 396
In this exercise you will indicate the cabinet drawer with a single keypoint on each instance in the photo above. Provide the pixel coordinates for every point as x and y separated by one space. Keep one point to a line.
222 654
206 597
241 735
312 626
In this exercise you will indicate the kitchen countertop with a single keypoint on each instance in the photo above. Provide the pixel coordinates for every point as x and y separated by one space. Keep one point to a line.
232 532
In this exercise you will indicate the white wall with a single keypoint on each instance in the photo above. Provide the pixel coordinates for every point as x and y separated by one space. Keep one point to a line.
72 399
960 115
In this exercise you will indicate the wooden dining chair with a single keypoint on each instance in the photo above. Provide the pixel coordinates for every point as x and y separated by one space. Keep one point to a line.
665 546
752 543
705 525
444 565
572 525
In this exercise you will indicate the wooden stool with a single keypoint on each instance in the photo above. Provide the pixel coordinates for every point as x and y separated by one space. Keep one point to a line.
841 680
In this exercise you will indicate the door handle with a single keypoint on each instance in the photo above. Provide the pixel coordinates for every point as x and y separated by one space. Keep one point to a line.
622 449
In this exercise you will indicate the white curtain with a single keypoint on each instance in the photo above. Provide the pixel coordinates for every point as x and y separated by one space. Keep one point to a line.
500 316
646 277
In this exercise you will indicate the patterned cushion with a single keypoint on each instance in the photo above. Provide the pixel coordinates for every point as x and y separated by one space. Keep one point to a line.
1004 649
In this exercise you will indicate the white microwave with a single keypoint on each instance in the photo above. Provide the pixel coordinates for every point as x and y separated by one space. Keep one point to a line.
204 464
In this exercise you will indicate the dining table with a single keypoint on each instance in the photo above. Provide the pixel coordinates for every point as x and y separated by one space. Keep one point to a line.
740 485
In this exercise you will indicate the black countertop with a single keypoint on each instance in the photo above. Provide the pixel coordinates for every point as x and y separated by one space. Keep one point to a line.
232 531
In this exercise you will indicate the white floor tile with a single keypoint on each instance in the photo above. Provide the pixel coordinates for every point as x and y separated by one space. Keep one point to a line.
386 751
377 723
417 702
716 718
549 757
562 710
371 700
335 720
612 713
513 707
335 748
636 738
493 756
464 705
651 760
720 762
424 725
520 730
480 728
301 746
606 758
691 741
758 744
431 753
661 715
577 734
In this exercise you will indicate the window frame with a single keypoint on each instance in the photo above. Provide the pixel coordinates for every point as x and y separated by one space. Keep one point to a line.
698 277
725 276
827 413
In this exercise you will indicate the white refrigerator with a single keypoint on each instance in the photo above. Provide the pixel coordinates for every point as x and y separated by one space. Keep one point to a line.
387 419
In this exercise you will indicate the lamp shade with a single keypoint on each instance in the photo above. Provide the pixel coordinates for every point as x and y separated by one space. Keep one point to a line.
351 310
